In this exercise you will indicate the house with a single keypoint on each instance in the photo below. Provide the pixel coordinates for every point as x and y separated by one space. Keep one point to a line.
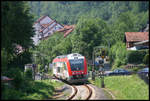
136 40
45 27
67 29
18 48
6 79
30 66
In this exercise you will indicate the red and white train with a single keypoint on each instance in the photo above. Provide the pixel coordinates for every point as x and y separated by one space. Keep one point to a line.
71 67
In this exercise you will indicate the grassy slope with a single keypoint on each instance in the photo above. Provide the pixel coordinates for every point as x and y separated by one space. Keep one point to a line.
43 89
35 90
126 87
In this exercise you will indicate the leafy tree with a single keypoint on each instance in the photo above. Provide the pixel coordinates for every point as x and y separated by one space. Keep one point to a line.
117 54
146 59
88 33
20 31
16 29
108 11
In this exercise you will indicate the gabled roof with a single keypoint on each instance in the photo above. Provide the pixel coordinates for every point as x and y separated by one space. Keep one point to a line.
46 25
5 79
136 36
67 29
41 18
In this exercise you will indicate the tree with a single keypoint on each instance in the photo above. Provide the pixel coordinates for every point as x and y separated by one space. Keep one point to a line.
88 33
16 28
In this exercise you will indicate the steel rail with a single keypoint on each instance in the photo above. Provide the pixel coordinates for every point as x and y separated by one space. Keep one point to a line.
90 92
73 95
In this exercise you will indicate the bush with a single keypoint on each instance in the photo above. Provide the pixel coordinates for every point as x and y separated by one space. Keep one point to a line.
89 68
28 74
17 75
146 59
136 56
117 55
11 93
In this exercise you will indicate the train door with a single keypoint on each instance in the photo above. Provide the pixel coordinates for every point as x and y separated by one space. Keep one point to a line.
65 71
54 69
58 66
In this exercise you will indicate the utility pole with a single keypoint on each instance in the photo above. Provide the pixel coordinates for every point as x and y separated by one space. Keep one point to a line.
102 54
102 76
93 66
102 66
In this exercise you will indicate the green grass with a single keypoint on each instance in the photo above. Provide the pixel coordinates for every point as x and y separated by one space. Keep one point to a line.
125 87
41 90
44 89
36 90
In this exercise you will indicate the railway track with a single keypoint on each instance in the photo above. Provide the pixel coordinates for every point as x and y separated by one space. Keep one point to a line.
82 91
77 91
73 95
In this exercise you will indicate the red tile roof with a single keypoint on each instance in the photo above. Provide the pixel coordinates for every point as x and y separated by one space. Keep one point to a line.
67 29
136 36
6 79
46 25
40 19
51 28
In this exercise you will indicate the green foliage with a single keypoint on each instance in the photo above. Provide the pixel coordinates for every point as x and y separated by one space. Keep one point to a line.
125 87
33 90
5 58
28 74
70 12
118 54
21 59
16 29
48 49
89 68
11 93
97 23
88 34
20 31
146 59
136 56
17 75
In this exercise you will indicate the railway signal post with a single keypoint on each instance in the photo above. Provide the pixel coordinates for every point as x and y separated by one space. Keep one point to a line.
93 66
102 54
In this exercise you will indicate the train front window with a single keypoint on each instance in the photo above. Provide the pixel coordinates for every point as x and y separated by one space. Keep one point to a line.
76 65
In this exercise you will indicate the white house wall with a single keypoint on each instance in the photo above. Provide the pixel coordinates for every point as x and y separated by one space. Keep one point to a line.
46 20
46 32
35 39
49 27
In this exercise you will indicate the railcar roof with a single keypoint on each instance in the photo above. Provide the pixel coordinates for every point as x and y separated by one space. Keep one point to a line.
73 54
62 56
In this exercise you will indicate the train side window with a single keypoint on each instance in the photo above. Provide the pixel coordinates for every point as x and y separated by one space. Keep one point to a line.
54 64
64 65
58 69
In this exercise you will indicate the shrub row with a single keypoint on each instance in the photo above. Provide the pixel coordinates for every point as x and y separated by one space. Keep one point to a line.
137 56
21 83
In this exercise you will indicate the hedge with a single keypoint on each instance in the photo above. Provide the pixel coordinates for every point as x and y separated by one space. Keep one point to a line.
136 56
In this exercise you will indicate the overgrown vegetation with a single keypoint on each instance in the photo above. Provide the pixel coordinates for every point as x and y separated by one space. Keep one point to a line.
97 23
136 56
68 12
125 87
16 30
92 29
34 90
118 54
17 33
23 87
